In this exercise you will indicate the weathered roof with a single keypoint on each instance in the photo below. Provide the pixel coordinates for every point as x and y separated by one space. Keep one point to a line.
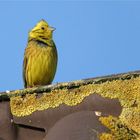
98 108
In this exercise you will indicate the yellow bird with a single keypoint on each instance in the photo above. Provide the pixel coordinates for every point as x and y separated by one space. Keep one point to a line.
40 58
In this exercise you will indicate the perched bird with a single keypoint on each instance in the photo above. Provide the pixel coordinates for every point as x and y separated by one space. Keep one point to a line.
40 58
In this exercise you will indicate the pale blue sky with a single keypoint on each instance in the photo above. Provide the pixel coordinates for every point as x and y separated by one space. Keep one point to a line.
94 38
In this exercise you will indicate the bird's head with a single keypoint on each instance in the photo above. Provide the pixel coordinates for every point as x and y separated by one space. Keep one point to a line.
42 31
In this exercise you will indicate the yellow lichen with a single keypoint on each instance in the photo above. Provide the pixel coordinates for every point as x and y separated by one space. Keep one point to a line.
119 131
126 91
131 117
22 106
106 136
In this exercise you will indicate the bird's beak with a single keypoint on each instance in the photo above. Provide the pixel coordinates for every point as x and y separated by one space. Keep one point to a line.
52 28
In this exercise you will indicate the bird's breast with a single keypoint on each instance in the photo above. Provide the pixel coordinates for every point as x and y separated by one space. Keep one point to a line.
42 63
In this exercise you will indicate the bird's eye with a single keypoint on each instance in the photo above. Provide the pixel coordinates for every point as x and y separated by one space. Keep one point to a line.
42 28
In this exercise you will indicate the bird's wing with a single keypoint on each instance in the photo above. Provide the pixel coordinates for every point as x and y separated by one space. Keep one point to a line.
24 71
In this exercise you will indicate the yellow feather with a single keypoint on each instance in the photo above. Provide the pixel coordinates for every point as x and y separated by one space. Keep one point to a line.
40 59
